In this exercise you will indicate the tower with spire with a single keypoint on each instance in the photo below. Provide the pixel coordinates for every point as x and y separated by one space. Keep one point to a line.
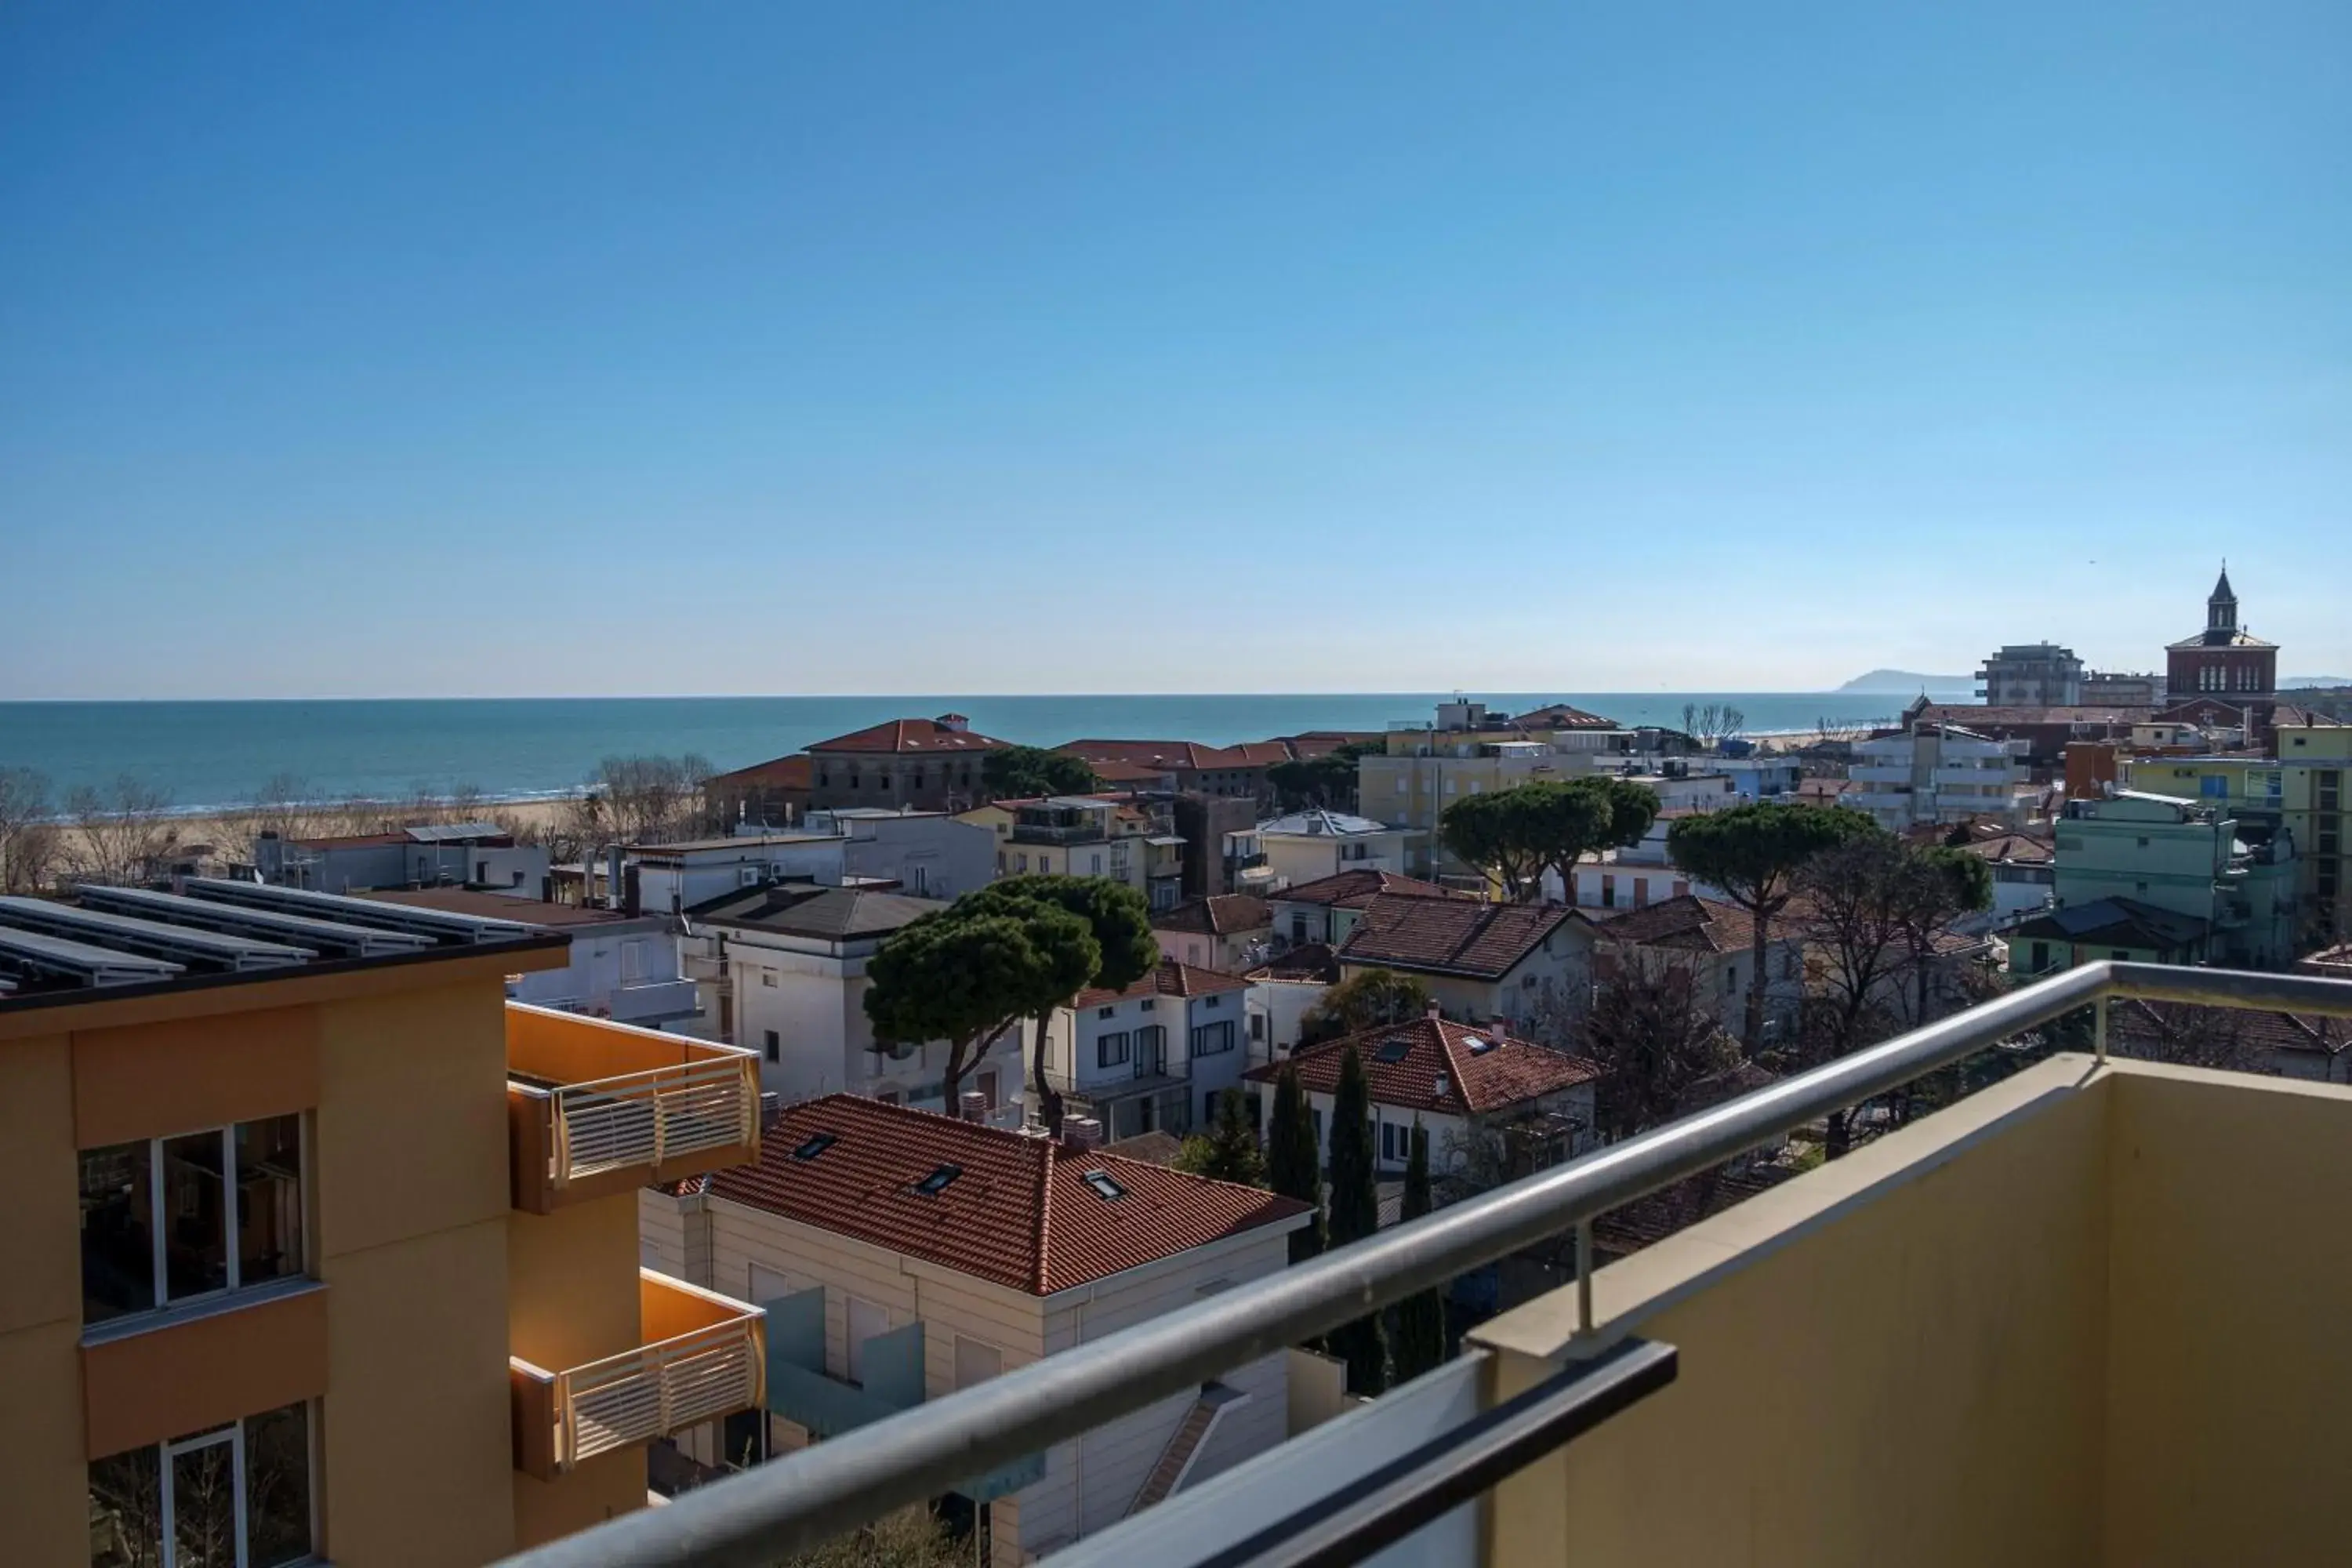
2225 665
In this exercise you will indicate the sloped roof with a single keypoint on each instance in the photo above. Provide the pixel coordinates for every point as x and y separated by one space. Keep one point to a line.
2236 639
2017 848
1178 755
1219 914
1686 921
1403 1064
1313 963
1986 718
795 772
1020 1211
1562 716
1354 890
1316 821
1168 978
1485 941
2115 922
901 736
2134 1019
802 909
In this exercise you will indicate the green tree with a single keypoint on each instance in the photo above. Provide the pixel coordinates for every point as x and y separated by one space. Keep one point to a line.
1753 853
1228 1151
1355 1216
1119 921
1490 831
1365 1000
1418 1343
968 976
1020 772
1293 1166
1943 884
1329 780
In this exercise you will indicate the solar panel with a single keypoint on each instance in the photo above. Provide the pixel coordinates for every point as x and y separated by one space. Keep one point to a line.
79 960
440 924
365 942
154 938
453 832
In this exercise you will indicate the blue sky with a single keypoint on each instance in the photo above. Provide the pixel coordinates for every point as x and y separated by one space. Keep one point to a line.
595 348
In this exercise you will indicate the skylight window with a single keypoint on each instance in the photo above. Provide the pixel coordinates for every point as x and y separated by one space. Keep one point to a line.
816 1144
935 1184
1104 1188
1392 1049
1480 1044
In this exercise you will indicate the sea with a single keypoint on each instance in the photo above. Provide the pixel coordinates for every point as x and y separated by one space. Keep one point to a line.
211 755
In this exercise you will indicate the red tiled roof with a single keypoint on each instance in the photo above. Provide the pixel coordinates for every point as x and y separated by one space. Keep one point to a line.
1354 890
2021 848
1019 1213
1486 941
2135 1020
1309 744
1178 755
1219 914
898 736
795 772
1482 1073
1111 770
1313 961
1982 719
1685 920
1168 978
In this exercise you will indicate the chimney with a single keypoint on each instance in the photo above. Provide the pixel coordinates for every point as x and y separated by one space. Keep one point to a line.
772 1109
612 876
972 1105
1445 1086
1433 1013
1499 1030
1081 1132
955 721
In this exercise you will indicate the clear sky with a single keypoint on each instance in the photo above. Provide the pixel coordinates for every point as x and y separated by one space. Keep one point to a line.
581 348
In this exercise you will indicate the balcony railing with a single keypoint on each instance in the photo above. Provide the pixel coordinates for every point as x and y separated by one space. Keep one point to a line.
704 1357
596 1107
702 965
839 1485
1059 833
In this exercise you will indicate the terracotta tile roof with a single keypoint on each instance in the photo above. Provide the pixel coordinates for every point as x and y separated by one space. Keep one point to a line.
1685 920
1020 1211
1111 770
1823 789
1178 755
1404 1062
1309 744
1151 1148
2016 848
1982 719
1313 961
899 736
1482 941
1168 978
795 772
2135 1020
1219 914
1354 890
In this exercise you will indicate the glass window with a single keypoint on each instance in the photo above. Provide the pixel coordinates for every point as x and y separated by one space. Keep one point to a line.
160 1223
1110 1050
195 1217
117 1238
236 1497
269 1200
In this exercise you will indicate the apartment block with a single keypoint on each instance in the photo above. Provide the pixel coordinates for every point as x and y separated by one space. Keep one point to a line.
319 1249
1942 774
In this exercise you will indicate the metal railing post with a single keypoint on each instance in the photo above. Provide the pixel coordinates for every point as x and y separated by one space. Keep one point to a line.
2099 1030
1585 1326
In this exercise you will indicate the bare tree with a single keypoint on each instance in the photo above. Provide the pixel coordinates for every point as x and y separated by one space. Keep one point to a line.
29 831
120 832
1657 1037
2187 1036
1734 724
284 807
648 798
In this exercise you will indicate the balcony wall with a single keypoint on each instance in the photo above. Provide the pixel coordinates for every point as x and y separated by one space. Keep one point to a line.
2081 1317
596 1108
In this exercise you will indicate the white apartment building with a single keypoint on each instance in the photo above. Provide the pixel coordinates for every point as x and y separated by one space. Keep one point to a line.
1152 1057
903 1256
1941 773
783 967
1308 846
1071 835
665 879
623 967
929 854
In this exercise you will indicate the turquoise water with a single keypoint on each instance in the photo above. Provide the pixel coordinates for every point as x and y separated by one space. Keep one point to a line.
219 753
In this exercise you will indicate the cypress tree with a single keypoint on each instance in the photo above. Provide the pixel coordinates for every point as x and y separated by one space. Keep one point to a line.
1419 1339
1229 1151
1294 1167
1355 1214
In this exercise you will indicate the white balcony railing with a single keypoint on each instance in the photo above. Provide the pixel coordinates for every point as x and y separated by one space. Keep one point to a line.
646 1118
1880 773
654 1390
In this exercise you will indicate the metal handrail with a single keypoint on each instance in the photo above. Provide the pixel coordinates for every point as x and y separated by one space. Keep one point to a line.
755 1518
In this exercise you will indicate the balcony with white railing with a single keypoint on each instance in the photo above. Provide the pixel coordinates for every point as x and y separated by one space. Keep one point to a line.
702 1357
595 1106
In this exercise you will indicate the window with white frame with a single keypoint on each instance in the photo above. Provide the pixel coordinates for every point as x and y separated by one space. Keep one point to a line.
239 1496
166 1221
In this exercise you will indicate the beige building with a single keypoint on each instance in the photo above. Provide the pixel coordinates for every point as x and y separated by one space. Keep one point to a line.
319 1249
1077 835
901 1257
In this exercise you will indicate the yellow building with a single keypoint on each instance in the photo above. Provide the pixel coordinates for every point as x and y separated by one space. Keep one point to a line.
2301 790
1078 835
318 1249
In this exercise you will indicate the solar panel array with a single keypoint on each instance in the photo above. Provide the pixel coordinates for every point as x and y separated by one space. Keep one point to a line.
101 936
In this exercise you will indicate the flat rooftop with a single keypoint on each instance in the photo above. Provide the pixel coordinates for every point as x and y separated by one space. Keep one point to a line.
108 942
